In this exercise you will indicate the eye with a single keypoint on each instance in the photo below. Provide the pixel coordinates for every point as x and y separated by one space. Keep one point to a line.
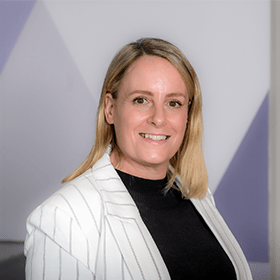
174 103
140 100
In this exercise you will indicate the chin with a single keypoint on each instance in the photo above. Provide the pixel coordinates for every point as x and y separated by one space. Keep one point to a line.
156 161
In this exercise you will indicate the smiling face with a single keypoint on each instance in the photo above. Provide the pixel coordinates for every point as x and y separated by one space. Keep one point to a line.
149 116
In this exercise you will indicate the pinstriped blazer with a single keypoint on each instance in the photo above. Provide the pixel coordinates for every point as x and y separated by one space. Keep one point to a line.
92 229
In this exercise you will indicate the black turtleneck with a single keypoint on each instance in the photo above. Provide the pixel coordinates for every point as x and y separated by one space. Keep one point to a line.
187 245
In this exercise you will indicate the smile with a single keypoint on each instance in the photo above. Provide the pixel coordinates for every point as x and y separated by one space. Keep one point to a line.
154 137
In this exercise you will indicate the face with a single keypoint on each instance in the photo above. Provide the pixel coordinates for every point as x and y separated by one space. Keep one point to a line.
149 115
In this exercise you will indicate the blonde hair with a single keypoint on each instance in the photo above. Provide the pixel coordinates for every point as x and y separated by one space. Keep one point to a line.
188 163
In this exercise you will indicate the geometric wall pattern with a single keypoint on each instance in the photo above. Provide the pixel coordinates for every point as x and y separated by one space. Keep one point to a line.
242 195
53 58
13 15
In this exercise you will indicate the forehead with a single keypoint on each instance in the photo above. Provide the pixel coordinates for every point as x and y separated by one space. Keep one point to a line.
153 73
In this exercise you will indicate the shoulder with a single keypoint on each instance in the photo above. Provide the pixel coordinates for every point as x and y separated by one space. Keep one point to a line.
83 193
77 194
81 199
74 205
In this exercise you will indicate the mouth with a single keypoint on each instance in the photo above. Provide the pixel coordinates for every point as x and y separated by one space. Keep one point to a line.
154 137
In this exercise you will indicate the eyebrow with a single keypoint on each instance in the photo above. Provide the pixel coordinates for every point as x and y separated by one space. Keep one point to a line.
174 94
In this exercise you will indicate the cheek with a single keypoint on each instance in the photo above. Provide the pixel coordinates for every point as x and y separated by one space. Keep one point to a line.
134 117
127 121
179 122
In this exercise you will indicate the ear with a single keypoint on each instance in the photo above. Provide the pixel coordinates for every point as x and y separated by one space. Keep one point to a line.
109 108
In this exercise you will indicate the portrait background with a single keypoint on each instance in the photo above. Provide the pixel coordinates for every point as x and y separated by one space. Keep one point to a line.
54 56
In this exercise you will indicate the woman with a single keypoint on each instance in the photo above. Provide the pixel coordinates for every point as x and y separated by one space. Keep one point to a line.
138 207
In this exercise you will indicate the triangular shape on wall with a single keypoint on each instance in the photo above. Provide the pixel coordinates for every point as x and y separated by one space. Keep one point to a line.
242 195
13 15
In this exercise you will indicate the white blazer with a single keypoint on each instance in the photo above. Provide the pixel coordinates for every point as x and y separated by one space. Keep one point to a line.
92 229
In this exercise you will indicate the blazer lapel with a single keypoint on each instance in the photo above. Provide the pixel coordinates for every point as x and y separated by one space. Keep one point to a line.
223 234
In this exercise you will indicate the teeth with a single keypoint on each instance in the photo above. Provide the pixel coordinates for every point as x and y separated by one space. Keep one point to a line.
154 137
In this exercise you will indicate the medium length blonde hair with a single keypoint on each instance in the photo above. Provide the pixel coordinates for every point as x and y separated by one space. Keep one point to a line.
188 163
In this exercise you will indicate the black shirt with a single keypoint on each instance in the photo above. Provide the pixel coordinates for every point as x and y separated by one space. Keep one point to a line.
187 245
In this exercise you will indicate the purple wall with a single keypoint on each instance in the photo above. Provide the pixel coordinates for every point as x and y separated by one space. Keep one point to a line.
242 195
13 15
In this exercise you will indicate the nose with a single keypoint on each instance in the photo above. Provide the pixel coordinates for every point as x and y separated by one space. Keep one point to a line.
158 116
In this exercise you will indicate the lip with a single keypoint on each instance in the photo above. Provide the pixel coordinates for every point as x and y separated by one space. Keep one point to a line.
155 141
